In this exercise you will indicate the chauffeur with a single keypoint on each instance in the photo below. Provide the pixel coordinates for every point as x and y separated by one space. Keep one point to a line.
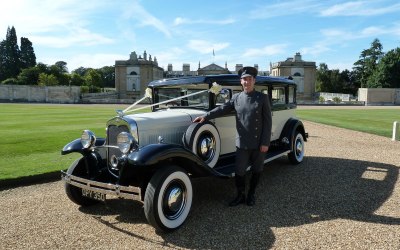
253 132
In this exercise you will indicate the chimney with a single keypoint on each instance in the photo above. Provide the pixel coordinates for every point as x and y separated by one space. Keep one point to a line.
238 67
297 57
186 67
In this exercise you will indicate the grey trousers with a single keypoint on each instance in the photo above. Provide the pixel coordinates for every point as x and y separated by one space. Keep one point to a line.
247 157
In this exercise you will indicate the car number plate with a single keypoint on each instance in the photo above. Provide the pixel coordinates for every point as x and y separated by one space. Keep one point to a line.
93 195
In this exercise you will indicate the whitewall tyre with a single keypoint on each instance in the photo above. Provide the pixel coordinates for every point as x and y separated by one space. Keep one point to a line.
297 151
168 198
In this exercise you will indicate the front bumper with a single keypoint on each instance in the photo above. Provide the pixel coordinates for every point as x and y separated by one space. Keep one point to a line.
127 192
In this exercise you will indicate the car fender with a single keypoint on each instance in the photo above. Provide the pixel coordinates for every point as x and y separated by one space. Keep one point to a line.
289 131
76 146
153 154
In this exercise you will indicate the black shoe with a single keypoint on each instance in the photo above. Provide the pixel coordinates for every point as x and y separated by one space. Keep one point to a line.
240 199
251 200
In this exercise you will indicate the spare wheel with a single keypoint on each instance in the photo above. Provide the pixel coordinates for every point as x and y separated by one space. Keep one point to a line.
204 141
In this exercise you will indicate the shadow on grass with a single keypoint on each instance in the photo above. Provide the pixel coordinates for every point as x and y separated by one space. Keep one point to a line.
319 189
30 180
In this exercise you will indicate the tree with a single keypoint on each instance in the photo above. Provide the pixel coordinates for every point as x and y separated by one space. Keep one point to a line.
10 56
28 57
81 71
322 81
62 66
77 80
368 62
334 81
348 79
387 73
108 76
60 71
43 68
47 80
29 76
2 60
93 78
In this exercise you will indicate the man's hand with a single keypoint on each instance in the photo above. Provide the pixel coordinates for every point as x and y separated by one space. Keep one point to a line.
199 119
264 149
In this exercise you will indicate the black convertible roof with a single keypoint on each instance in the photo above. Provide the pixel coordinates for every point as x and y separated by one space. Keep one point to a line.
231 79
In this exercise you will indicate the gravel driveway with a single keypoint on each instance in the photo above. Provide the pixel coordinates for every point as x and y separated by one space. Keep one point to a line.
345 195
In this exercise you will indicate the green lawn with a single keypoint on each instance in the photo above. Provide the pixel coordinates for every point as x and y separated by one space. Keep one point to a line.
32 135
374 121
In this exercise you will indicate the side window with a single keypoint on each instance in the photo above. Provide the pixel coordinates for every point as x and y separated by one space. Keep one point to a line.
278 96
292 98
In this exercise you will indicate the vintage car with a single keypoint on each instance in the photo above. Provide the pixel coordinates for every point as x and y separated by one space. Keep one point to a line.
152 157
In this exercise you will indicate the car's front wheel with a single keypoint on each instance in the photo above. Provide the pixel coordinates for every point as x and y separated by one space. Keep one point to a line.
297 152
75 193
168 198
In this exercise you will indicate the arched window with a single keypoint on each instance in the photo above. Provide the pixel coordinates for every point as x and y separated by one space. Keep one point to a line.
133 73
297 74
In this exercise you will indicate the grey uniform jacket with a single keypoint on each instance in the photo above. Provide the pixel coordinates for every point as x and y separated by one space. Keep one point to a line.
253 118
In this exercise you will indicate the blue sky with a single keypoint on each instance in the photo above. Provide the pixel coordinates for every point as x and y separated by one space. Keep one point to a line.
95 33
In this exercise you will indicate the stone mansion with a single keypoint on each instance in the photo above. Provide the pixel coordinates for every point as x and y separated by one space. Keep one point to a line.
133 75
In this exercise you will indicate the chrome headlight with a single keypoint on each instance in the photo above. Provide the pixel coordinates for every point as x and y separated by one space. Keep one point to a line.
88 139
125 142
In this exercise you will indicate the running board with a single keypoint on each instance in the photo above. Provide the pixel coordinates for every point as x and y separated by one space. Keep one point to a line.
228 171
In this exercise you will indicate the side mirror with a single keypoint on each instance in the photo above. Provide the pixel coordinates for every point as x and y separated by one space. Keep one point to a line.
224 95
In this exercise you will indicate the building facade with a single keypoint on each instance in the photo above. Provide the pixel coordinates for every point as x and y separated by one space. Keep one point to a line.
133 75
302 72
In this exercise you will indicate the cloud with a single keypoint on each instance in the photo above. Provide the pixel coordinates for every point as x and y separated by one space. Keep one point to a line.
339 35
136 12
167 56
360 8
181 21
268 50
77 36
340 65
206 47
324 8
316 49
285 8
58 24
98 60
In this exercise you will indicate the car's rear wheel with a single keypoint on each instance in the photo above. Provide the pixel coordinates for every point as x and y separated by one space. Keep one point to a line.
168 198
75 193
297 151
204 141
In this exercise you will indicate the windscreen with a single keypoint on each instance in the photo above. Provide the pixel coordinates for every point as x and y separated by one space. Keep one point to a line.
193 96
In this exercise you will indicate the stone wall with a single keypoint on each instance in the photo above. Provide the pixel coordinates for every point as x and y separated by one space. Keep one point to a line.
48 94
379 96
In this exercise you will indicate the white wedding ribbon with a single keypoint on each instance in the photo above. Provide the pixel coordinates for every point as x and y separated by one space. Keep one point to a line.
215 89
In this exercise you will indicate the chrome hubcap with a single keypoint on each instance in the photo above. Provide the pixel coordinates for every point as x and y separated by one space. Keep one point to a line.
174 200
206 147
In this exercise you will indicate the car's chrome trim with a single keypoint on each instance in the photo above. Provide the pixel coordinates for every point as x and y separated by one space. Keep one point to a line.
276 156
127 192
269 159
